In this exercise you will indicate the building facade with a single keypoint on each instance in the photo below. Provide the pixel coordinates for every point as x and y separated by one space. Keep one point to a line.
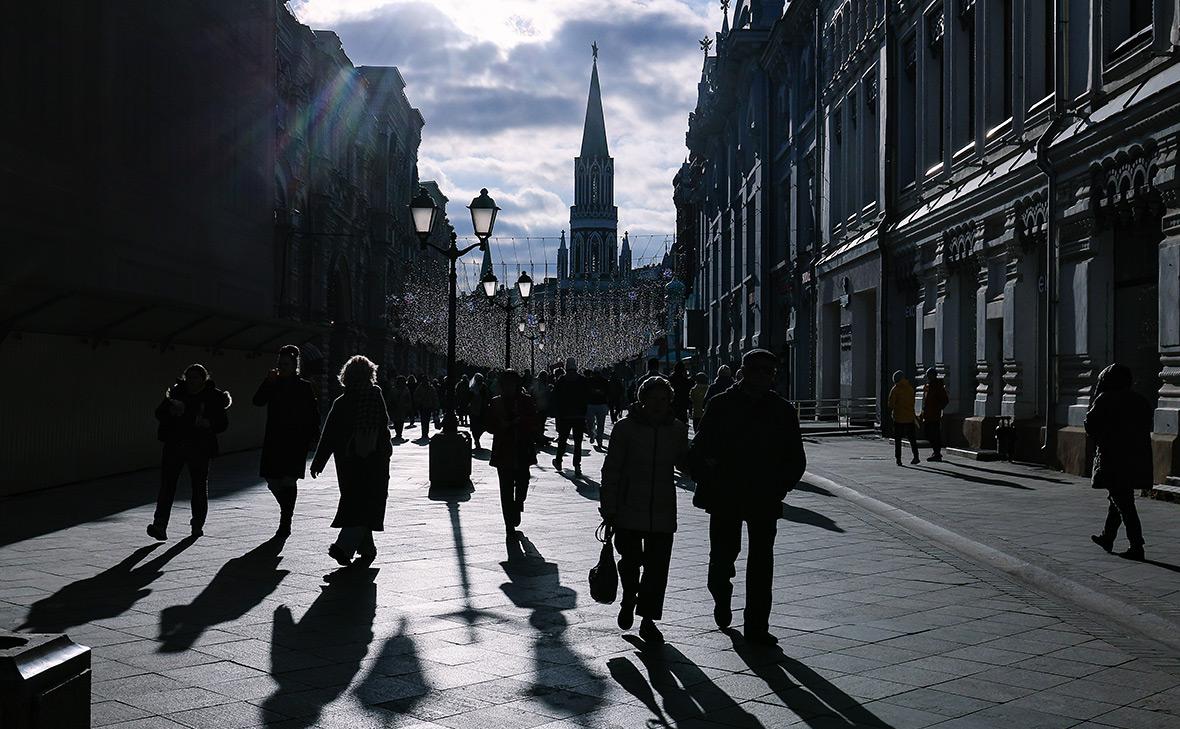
997 201
202 185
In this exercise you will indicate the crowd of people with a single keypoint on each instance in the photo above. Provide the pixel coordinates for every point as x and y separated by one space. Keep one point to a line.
746 453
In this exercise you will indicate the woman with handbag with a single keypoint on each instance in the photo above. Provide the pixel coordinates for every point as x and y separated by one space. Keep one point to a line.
357 434
638 502
513 422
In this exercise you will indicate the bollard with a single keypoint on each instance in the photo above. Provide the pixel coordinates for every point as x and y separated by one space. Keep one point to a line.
44 682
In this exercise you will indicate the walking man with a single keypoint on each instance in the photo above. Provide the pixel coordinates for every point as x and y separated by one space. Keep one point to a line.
571 398
901 407
934 399
1120 421
191 416
747 455
513 422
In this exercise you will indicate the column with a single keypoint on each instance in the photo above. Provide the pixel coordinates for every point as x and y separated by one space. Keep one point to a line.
986 398
1021 331
1166 436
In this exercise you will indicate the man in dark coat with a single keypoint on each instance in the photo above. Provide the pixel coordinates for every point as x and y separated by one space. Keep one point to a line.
934 400
571 397
722 382
513 421
746 456
292 424
191 416
1120 421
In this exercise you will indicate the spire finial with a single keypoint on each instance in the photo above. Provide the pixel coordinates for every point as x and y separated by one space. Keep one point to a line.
594 49
706 44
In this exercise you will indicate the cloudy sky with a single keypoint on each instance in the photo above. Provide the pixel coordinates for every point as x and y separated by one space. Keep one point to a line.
503 84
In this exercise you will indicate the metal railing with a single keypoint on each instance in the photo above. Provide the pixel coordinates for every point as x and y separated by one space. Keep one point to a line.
843 412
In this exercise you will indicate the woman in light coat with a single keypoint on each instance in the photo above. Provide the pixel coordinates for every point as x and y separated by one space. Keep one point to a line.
638 501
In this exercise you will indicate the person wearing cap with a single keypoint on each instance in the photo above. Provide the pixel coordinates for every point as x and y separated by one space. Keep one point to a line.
934 399
901 408
746 456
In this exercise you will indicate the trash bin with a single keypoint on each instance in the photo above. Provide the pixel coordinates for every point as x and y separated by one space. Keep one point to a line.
44 682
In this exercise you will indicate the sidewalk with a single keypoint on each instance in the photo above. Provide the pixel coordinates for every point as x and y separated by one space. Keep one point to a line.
881 626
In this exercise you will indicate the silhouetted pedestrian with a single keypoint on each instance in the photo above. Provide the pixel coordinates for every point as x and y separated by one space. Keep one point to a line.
477 407
934 400
462 400
570 396
597 406
653 370
616 391
400 402
513 422
746 457
292 424
1120 421
722 382
901 409
542 393
682 384
697 398
356 435
425 403
191 416
639 502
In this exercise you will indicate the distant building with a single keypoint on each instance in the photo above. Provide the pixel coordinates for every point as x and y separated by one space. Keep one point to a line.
205 183
921 147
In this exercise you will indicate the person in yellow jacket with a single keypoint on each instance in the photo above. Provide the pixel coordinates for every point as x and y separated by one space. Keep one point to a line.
901 409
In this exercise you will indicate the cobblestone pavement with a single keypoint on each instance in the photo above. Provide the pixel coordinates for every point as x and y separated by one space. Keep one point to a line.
884 622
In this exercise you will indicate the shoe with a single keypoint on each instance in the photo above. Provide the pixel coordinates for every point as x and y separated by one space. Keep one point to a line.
1135 553
1101 541
934 459
626 615
197 531
723 616
557 464
514 519
156 532
650 633
899 461
577 469
761 637
335 553
915 461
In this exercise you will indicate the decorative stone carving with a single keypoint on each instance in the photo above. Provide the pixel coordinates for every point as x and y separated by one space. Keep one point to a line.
1123 186
936 29
958 244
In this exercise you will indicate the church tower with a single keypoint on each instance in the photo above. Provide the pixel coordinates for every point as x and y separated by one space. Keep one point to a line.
594 219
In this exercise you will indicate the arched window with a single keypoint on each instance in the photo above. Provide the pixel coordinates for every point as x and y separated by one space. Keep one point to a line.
594 186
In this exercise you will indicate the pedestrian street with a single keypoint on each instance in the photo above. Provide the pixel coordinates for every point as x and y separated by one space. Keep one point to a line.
880 625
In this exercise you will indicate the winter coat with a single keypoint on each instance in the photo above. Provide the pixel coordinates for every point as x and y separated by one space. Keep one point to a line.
615 392
210 403
400 402
571 395
513 444
292 424
638 484
425 397
596 390
697 396
720 385
1120 421
747 454
363 480
682 386
901 402
934 400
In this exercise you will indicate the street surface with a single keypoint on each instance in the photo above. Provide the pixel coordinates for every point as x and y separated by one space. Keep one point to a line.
960 595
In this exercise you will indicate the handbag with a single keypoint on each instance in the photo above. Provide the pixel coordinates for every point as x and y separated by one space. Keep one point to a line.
604 576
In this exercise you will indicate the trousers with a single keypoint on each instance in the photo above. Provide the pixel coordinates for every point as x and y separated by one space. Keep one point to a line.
725 543
904 430
1122 511
596 421
514 487
643 569
566 426
933 431
175 458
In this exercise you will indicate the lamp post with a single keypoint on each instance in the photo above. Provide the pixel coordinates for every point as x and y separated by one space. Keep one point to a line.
524 286
450 453
526 330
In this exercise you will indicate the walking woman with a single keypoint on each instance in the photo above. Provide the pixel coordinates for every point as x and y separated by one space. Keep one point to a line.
638 500
477 407
400 404
425 403
513 423
292 424
357 434
1120 420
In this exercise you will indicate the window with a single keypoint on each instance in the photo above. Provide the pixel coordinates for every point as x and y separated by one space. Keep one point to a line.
964 74
1049 33
999 21
908 124
935 110
1124 21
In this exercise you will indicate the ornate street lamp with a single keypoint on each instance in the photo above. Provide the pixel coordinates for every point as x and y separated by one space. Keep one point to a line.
524 287
522 326
450 451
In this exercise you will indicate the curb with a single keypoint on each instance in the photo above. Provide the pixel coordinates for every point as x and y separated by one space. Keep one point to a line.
1148 626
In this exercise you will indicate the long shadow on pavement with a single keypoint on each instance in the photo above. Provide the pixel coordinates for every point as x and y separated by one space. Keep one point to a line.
398 670
974 479
339 622
108 594
799 515
563 680
238 586
1031 477
818 701
688 697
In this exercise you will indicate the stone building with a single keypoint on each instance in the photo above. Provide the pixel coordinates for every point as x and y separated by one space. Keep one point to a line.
204 184
957 139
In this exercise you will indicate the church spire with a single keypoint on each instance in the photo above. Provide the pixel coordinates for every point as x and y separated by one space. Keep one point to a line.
594 132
